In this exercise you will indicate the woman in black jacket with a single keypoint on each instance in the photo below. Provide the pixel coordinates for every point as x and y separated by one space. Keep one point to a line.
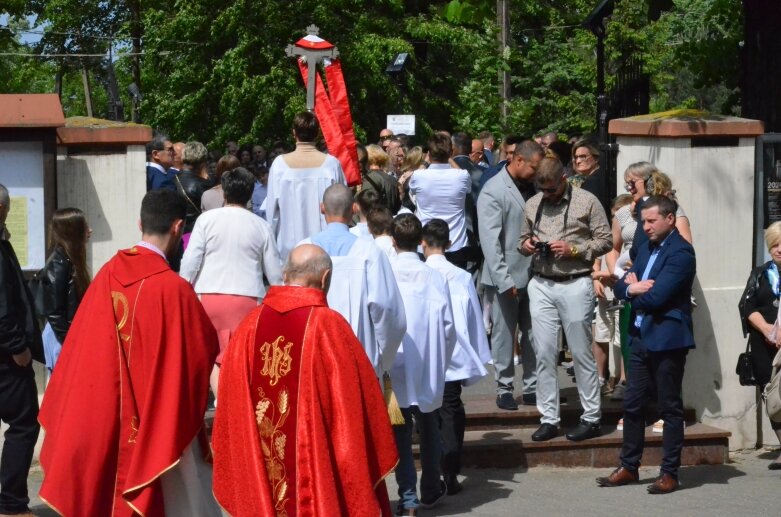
66 278
758 310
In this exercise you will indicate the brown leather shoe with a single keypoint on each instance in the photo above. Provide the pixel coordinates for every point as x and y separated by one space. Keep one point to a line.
664 484
619 477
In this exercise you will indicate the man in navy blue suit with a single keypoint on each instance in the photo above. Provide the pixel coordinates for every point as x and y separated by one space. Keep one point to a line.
659 285
160 152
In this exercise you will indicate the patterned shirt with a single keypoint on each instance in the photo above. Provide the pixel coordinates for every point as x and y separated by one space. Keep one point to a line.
578 219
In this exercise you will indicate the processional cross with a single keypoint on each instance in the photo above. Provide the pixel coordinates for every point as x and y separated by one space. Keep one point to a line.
312 49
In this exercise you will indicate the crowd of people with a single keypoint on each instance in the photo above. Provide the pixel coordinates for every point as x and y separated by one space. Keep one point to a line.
331 323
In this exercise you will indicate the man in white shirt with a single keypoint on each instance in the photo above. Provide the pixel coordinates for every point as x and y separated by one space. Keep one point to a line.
363 288
470 354
296 185
419 370
440 192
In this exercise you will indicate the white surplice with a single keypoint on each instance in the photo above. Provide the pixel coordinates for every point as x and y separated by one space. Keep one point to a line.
293 200
385 243
471 352
418 373
363 290
361 230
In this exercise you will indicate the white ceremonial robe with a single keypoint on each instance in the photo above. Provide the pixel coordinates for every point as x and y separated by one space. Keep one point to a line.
293 200
385 243
471 352
418 373
361 230
363 290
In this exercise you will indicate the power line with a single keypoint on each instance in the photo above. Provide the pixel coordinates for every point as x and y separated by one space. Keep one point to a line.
113 37
118 56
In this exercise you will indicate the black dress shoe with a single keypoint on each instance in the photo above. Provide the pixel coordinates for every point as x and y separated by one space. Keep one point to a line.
453 486
545 432
529 399
506 401
584 431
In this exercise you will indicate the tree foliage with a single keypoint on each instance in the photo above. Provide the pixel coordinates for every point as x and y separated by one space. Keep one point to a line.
216 70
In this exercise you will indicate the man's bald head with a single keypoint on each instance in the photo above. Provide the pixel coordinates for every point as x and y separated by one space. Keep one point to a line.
337 203
308 265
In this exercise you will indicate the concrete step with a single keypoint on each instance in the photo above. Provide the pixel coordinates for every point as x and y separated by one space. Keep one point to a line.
513 447
482 413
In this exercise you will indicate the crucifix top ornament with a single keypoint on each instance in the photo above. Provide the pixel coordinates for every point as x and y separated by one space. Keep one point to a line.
312 49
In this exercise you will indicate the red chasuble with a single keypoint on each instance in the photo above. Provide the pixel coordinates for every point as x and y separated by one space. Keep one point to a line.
301 425
129 391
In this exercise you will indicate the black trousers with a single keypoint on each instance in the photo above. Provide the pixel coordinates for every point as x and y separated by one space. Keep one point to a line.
660 373
19 409
452 424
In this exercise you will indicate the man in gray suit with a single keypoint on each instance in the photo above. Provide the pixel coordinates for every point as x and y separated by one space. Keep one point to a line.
505 273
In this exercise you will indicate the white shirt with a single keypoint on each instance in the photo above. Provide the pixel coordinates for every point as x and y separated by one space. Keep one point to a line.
418 373
471 352
230 249
293 200
385 243
440 193
361 230
363 290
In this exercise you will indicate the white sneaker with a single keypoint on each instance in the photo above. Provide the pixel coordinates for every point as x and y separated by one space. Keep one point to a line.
659 426
620 426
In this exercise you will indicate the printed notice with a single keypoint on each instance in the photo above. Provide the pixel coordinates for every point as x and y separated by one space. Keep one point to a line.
17 227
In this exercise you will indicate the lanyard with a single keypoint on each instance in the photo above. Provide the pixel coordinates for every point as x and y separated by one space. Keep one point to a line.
538 215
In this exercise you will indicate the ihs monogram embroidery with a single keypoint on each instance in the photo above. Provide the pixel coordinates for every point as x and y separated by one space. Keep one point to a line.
276 360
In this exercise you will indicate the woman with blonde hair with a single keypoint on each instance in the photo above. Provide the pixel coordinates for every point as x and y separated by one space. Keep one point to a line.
758 310
414 160
66 277
377 178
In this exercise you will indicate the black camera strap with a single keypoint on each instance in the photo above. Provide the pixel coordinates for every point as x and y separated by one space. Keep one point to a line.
538 215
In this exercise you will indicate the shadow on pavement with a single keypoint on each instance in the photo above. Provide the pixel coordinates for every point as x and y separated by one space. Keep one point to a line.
477 492
701 475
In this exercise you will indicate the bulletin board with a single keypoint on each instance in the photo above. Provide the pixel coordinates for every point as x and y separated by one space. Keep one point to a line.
22 173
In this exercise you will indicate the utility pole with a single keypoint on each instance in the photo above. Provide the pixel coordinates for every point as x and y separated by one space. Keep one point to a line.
503 21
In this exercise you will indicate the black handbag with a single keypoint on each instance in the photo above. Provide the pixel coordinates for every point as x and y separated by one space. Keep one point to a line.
38 289
745 368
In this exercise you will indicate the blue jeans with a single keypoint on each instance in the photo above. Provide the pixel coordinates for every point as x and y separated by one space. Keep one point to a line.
430 454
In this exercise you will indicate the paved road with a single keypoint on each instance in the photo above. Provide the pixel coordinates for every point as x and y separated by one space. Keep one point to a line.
742 488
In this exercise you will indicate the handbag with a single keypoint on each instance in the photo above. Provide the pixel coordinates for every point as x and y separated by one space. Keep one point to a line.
37 285
745 368
772 393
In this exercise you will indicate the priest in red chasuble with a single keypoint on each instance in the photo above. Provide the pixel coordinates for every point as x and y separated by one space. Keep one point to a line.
301 425
125 407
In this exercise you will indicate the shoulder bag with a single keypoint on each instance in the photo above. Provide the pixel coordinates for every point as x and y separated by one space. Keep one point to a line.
745 368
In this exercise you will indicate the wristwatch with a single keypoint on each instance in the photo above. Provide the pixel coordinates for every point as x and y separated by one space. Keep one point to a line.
573 251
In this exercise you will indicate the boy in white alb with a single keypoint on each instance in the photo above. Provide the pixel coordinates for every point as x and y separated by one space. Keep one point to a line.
421 363
380 220
365 200
471 352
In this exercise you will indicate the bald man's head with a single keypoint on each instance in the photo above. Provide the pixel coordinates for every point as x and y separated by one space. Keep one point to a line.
337 203
308 265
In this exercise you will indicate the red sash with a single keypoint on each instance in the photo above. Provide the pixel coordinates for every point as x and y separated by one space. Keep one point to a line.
274 391
333 112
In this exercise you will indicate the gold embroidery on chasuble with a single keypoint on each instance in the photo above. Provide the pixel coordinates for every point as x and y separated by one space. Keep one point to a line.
123 320
275 378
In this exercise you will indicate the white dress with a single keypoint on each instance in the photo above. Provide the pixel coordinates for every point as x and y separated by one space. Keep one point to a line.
293 200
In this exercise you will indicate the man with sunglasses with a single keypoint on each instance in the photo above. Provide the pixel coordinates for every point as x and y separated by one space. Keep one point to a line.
564 230
160 152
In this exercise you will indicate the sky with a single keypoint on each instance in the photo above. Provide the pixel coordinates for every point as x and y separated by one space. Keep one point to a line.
25 38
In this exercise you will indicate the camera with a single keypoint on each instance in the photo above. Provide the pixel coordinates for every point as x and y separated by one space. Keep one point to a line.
543 248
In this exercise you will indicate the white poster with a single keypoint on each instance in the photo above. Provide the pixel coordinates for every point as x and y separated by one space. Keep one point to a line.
401 124
21 172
